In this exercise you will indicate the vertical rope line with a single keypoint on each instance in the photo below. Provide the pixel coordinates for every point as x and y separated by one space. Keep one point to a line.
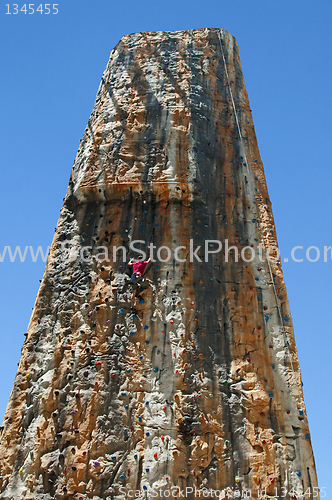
259 219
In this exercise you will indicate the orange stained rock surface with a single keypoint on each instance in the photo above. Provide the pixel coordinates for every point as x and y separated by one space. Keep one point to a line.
201 387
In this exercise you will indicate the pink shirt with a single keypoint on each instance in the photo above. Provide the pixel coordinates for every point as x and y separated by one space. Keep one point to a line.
138 267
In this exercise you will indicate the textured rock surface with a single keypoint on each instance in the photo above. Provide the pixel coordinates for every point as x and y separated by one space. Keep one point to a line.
202 388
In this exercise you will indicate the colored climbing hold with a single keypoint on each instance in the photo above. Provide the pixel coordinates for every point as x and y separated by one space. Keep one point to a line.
271 395
156 370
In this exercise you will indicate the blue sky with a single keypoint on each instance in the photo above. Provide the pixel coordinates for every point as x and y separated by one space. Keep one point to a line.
51 66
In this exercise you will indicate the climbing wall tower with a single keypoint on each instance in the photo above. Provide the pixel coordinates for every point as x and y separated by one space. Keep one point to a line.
201 387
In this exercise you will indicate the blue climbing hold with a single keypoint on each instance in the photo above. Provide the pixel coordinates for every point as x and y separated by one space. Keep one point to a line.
141 357
299 473
256 178
140 419
141 301
257 279
146 327
273 367
259 299
135 456
286 319
282 428
254 220
121 310
280 298
127 407
145 487
271 395
266 319
122 476
156 370
128 371
147 403
113 458
125 431
132 333
147 434
123 394
301 412
147 342
147 470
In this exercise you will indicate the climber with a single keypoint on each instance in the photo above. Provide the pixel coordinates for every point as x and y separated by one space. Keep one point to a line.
139 283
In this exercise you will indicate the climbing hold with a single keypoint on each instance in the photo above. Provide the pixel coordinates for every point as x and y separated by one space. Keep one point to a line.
146 327
271 395
123 394
113 458
97 363
162 438
156 370
140 419
147 434
301 412
299 473
122 476
96 463
147 403
155 455
282 428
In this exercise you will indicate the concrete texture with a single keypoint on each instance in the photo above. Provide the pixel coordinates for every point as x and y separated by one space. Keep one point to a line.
202 387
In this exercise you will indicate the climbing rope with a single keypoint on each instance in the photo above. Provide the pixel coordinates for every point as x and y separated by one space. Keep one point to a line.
258 217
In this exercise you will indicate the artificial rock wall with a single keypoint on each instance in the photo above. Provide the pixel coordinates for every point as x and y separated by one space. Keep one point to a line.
201 388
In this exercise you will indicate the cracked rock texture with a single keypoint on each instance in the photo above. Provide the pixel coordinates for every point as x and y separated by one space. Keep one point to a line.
202 387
